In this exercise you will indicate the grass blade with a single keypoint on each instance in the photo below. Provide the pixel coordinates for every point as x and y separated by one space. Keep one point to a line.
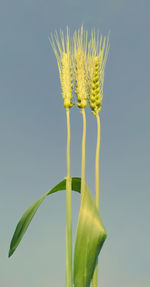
90 237
30 212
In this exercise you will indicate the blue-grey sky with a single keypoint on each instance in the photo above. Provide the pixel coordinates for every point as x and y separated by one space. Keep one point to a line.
33 140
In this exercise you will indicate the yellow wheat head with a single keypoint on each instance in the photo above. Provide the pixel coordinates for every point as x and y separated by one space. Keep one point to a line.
80 66
97 56
61 46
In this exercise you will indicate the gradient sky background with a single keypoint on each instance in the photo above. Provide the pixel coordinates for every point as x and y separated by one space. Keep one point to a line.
33 140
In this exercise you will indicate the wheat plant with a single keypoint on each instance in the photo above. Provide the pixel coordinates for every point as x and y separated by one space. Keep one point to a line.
81 65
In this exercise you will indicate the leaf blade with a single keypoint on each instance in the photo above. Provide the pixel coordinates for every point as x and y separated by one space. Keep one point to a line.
30 212
90 237
23 224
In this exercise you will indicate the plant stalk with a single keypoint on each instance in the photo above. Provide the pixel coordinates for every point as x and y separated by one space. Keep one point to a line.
97 189
68 210
83 153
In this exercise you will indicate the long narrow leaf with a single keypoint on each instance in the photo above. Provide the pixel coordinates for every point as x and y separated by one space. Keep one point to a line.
30 212
90 237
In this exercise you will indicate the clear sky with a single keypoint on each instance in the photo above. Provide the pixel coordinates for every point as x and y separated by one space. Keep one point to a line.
33 140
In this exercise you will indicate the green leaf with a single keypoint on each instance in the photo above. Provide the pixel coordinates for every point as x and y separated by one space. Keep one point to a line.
30 212
90 232
90 237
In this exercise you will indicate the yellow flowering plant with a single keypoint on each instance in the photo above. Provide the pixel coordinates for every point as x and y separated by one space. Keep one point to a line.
81 69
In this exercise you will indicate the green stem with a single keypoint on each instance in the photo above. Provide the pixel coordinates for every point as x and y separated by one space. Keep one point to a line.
97 186
97 189
68 210
83 153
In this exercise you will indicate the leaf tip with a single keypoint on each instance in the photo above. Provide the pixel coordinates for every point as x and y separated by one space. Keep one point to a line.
11 251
